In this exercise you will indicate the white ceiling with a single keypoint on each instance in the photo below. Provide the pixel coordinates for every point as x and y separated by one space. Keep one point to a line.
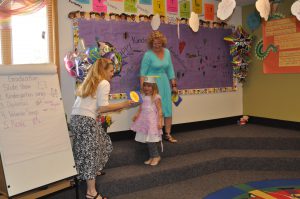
245 2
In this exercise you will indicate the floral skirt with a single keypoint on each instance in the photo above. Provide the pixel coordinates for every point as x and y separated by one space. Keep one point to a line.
91 146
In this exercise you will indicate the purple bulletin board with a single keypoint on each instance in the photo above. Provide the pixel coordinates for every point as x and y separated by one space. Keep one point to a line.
201 60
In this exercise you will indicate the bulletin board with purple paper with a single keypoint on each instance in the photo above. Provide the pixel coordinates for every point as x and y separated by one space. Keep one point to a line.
201 60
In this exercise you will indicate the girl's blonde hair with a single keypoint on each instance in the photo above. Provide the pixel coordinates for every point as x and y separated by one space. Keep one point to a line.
156 35
95 74
154 89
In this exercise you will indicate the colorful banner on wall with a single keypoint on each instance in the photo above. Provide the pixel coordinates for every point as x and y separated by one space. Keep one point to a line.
130 6
197 6
185 9
209 11
159 7
99 6
285 35
201 60
172 6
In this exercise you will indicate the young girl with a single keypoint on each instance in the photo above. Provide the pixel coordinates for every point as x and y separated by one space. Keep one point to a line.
148 120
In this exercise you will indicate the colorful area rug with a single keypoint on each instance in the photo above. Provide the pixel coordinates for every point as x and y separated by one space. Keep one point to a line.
270 189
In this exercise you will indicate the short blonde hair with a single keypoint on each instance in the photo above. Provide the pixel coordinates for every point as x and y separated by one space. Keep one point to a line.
95 75
156 35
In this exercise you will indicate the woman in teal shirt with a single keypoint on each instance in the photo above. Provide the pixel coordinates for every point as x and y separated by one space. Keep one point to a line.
157 62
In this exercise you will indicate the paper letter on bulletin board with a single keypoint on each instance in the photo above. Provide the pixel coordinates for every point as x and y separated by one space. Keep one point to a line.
285 35
197 6
159 7
209 11
99 6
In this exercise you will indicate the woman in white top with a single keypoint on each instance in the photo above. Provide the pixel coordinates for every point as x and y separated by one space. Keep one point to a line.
91 144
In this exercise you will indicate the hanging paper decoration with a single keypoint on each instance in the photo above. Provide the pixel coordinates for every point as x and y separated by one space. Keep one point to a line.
194 22
295 9
225 9
155 22
18 7
264 8
240 44
253 21
259 53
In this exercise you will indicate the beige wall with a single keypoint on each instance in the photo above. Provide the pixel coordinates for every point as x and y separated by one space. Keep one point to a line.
275 96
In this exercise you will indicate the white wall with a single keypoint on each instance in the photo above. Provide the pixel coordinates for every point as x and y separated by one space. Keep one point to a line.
193 107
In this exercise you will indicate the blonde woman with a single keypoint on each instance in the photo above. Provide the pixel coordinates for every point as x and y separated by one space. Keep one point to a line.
157 62
91 144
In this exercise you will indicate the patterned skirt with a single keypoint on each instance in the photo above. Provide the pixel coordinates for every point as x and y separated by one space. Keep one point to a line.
91 146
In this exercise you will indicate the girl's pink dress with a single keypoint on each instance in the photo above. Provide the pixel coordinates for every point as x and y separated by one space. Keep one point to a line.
146 125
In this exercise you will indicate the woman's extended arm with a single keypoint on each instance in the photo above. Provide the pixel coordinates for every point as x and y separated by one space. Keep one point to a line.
116 106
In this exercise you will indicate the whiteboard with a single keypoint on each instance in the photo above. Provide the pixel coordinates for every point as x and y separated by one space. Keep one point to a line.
34 140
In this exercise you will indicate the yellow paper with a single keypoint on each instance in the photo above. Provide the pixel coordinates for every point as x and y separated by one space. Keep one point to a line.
159 7
197 6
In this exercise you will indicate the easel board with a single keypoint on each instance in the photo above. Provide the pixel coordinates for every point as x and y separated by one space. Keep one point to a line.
34 140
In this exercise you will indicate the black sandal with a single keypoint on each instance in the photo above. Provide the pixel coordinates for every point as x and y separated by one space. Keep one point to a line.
87 196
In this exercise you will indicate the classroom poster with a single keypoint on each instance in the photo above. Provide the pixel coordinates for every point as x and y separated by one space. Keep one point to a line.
130 6
197 6
172 6
285 35
185 9
159 7
209 11
99 6
146 2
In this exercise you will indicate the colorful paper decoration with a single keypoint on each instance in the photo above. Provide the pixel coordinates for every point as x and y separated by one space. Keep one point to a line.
130 6
159 7
185 9
146 2
197 6
172 6
209 11
240 45
225 9
83 1
176 99
259 53
253 21
99 6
